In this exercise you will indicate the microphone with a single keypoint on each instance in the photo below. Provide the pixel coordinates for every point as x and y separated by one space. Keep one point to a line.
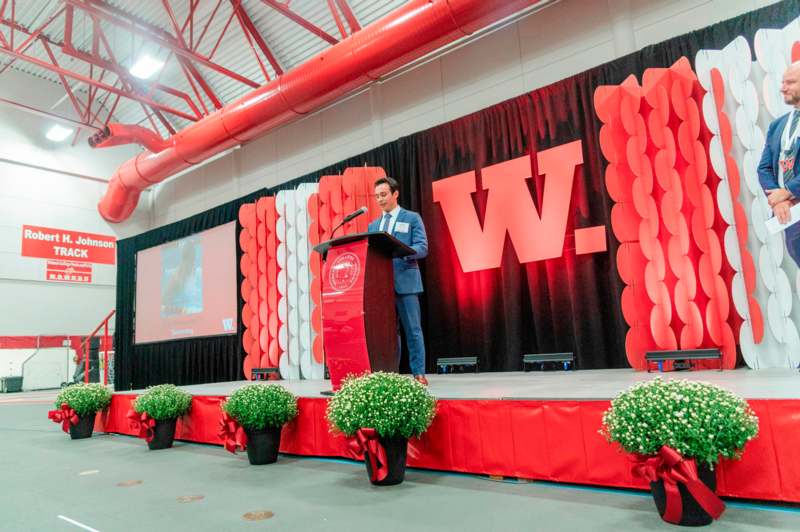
356 214
352 215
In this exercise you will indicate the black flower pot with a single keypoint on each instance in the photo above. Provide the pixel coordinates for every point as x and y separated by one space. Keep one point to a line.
263 445
396 451
83 428
163 435
693 514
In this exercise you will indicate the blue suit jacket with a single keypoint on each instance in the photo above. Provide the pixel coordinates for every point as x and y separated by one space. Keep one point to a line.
407 279
768 168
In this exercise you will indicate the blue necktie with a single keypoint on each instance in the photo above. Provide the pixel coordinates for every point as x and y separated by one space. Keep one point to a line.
386 219
793 125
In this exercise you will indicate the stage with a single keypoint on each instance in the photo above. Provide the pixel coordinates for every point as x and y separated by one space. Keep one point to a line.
556 385
536 425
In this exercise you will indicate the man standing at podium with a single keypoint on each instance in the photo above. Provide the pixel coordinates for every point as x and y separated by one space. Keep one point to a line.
407 227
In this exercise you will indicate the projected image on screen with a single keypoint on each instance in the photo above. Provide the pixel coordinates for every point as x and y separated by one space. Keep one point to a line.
182 278
187 288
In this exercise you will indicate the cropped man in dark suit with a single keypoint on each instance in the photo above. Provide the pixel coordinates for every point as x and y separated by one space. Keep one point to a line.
778 172
407 227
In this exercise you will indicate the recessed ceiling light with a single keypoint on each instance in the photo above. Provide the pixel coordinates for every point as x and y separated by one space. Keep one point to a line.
146 66
59 133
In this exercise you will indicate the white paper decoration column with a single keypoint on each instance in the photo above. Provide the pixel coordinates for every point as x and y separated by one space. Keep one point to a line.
287 284
295 306
309 368
752 101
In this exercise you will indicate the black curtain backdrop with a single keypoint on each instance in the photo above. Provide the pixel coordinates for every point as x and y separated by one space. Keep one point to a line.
567 304
190 361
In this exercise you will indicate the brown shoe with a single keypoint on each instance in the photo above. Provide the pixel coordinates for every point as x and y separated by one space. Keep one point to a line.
421 379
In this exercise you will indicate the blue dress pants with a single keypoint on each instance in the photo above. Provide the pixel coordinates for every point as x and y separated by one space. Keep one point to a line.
411 320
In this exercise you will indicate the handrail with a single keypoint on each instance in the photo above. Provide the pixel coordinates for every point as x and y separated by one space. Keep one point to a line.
85 345
105 321
38 348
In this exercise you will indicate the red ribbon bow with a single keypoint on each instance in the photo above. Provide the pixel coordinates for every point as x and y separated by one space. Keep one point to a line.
66 416
669 466
366 442
143 423
231 433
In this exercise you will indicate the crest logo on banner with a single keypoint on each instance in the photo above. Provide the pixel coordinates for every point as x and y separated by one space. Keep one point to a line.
344 272
510 209
70 272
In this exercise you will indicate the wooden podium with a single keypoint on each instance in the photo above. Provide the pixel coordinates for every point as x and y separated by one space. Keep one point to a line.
359 320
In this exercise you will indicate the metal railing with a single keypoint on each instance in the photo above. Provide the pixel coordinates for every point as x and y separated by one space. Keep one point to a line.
104 347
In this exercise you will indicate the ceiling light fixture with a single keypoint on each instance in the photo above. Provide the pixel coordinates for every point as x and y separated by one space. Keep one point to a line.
146 66
59 133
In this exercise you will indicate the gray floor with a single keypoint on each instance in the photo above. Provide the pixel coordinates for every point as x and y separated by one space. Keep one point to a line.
585 384
113 483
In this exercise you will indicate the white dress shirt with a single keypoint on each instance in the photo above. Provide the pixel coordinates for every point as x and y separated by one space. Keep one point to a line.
389 228
788 147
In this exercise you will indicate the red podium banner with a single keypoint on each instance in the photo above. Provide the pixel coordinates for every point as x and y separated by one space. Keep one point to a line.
358 314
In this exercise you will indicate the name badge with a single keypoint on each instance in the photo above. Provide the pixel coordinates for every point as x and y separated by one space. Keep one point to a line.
401 227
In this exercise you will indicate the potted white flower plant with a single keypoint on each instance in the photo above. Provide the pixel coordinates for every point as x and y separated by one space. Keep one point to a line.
677 431
381 411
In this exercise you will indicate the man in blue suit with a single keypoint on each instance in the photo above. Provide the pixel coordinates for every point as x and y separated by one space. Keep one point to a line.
407 227
778 173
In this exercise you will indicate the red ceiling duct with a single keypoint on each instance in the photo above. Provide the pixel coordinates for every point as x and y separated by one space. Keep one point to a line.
118 134
404 35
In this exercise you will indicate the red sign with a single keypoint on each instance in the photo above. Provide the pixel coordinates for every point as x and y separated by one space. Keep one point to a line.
510 209
59 244
68 272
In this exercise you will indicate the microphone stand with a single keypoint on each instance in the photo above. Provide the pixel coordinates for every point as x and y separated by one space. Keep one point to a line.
338 226
348 218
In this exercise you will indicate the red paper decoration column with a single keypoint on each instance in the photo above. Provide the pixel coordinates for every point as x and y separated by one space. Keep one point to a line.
647 199
615 105
676 174
249 291
656 140
268 281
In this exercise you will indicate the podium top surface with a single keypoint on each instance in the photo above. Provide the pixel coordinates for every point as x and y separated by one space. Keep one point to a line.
378 239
